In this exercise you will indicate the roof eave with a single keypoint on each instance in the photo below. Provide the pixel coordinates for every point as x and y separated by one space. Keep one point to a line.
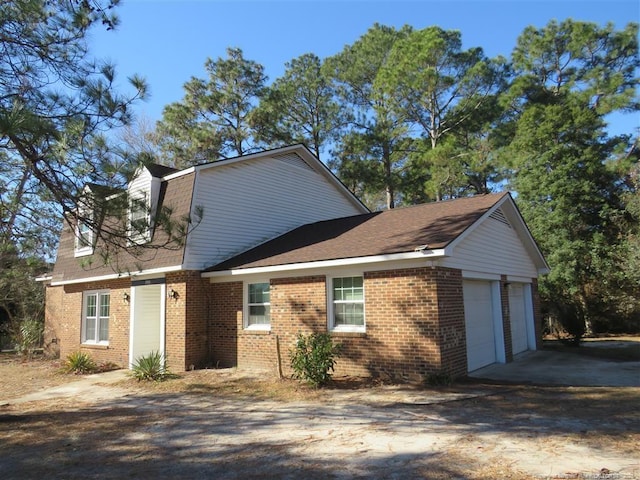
341 262
115 276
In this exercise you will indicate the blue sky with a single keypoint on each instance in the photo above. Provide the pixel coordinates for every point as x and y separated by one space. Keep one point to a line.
168 41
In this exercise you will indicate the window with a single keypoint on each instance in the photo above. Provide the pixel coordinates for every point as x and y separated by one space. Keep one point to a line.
139 217
84 238
95 317
258 306
347 304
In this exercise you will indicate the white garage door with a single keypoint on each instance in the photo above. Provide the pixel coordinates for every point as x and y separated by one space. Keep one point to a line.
478 316
518 318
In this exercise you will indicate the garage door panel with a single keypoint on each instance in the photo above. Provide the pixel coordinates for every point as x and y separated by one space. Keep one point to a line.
481 345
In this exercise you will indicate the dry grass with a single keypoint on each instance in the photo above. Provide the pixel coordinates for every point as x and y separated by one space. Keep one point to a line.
21 376
226 383
598 418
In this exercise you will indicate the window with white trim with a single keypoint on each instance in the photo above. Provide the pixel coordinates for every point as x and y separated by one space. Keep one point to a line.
96 308
139 217
258 306
84 238
347 304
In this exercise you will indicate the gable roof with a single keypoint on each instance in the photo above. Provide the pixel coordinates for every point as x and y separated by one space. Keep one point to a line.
159 171
429 226
176 191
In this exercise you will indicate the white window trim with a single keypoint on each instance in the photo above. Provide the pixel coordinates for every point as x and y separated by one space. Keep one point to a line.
85 296
331 310
245 309
140 238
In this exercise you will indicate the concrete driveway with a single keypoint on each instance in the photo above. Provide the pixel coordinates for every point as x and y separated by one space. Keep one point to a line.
546 367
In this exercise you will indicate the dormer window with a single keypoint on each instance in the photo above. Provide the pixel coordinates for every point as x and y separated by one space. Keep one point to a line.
139 218
84 237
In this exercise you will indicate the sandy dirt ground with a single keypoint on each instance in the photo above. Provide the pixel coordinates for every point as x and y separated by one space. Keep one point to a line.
225 424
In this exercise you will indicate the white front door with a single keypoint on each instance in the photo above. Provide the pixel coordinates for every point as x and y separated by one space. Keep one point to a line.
147 321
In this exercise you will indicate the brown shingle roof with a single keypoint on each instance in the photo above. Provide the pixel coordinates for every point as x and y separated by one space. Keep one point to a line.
392 231
157 170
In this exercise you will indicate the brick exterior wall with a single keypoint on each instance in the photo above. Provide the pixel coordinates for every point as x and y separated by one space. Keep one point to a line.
225 323
63 322
414 318
452 333
186 340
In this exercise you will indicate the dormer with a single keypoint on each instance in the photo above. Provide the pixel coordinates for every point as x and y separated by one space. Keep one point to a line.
90 211
143 194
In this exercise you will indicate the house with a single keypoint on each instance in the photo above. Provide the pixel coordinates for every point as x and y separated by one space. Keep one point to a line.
282 248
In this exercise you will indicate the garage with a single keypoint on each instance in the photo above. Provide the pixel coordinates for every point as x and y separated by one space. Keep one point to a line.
479 324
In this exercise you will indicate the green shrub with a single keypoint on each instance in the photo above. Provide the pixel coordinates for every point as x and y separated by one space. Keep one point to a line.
80 363
152 367
27 336
313 357
439 379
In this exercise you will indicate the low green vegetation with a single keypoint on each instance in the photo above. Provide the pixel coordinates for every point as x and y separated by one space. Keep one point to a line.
439 379
80 363
152 367
313 358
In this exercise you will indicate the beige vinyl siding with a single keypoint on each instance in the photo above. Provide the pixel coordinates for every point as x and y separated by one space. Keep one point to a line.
247 203
493 247
141 183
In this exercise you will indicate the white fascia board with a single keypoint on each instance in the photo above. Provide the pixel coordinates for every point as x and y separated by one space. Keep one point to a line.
343 262
244 158
171 176
43 278
515 218
115 276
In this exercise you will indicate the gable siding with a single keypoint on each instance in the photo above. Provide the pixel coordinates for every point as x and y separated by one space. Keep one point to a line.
248 203
141 183
493 247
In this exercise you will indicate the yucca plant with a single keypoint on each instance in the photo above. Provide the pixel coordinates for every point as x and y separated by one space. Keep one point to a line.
152 367
80 363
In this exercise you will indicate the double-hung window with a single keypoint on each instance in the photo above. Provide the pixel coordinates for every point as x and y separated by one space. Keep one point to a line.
347 304
96 308
258 306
